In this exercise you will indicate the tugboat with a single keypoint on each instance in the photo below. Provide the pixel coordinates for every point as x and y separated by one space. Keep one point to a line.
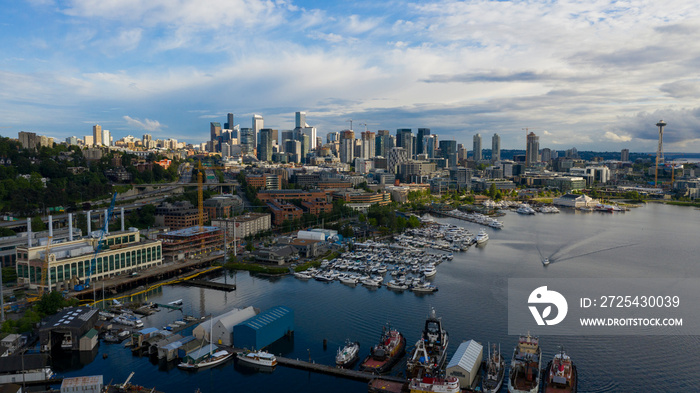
525 366
562 376
430 350
495 371
383 356
432 382
348 354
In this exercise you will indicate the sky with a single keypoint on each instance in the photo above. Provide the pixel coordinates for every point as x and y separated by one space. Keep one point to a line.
595 75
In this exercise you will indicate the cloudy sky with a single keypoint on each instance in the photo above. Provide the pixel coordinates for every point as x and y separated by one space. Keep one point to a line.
592 74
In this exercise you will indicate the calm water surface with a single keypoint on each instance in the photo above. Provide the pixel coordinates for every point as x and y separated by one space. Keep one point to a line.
651 241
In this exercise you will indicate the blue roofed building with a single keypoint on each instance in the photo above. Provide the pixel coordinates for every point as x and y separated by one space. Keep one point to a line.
264 329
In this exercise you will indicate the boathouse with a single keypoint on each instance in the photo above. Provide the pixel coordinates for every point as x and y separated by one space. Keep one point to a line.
264 329
222 326
66 328
465 363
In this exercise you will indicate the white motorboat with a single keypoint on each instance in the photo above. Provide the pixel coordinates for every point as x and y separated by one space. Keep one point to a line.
482 237
259 358
545 261
348 354
429 270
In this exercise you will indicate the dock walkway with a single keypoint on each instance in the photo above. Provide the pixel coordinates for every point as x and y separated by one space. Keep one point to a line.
336 371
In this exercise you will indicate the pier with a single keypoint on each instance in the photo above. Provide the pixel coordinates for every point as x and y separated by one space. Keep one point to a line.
336 371
210 285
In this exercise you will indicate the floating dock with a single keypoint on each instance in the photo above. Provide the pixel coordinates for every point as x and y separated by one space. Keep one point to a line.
210 285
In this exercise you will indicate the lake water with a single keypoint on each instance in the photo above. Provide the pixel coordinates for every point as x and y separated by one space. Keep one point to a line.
650 241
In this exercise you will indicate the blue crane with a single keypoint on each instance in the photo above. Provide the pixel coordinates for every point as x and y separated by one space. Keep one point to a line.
100 243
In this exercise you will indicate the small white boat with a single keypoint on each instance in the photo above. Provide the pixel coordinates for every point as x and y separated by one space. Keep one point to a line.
397 285
429 270
302 275
545 261
423 288
177 302
259 358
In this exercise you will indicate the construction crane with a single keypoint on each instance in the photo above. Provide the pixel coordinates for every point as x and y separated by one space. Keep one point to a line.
349 120
200 197
100 244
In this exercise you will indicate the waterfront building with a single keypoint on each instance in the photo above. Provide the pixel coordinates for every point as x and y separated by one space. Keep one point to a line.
220 329
465 363
245 225
9 244
496 148
575 200
67 326
265 328
567 183
71 262
477 148
189 242
360 196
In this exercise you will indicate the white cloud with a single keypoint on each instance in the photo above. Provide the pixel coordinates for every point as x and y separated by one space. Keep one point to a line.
146 124
611 136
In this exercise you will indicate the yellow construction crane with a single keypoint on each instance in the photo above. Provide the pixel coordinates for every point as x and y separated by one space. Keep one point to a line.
200 196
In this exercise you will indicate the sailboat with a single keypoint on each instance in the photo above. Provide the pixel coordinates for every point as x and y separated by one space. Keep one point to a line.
209 360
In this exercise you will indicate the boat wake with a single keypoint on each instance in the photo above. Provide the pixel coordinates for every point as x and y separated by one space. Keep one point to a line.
552 260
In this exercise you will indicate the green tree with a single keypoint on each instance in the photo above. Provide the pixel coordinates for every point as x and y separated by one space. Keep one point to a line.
38 224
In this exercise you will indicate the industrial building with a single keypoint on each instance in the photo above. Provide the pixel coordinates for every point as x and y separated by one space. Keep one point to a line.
575 201
264 329
9 244
74 261
66 328
222 326
170 351
188 242
90 384
465 363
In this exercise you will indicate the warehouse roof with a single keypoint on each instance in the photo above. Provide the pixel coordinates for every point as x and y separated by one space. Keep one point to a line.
265 318
466 356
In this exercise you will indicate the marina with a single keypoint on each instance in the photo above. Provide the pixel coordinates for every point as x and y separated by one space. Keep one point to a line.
340 311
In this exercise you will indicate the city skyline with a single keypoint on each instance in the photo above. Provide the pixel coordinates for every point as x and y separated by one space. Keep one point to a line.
169 69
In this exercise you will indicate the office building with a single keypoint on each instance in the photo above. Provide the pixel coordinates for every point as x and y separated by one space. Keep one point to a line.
300 120
546 155
265 146
420 140
214 131
347 146
257 126
247 141
477 148
448 150
368 144
429 145
229 124
532 150
106 138
496 148
404 138
97 137
293 147
395 157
